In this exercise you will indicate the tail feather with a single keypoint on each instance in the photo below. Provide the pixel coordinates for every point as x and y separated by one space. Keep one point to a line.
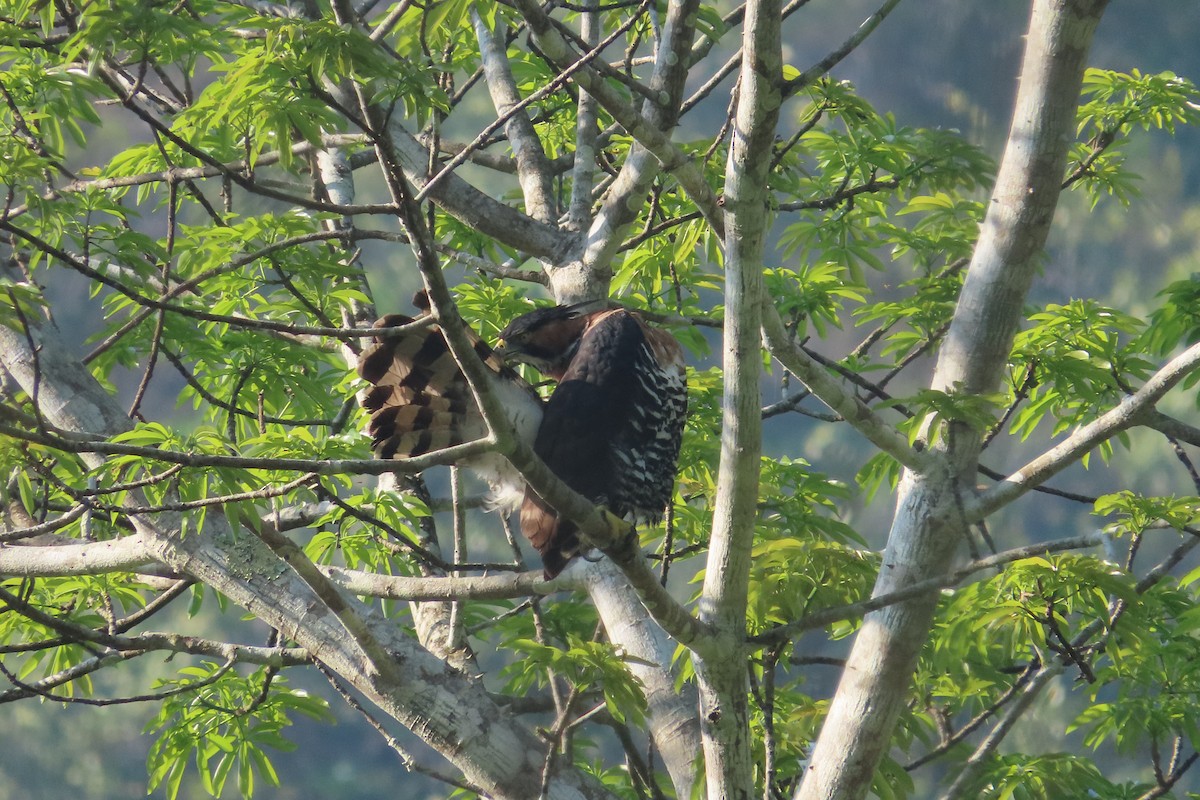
420 401
379 397
399 430
555 539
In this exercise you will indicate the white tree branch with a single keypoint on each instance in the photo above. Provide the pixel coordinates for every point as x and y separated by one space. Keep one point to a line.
724 709
132 554
652 138
579 210
533 168
470 206
671 711
830 391
477 587
127 554
1136 409
622 199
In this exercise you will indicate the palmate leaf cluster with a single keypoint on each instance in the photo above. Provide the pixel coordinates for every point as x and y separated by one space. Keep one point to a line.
875 220
1114 104
222 722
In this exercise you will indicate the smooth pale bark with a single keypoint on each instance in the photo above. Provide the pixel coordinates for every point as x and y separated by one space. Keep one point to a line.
128 554
587 132
672 158
1136 409
927 526
671 712
449 711
724 710
533 168
472 207
626 196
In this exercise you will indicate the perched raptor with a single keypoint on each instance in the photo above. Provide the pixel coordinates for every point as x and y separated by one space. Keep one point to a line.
610 430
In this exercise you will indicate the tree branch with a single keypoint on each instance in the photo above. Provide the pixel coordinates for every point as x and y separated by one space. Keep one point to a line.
517 109
70 442
482 587
579 209
678 163
127 554
977 760
724 708
820 619
172 642
470 206
831 392
1136 409
1174 428
830 61
623 198
49 526
533 168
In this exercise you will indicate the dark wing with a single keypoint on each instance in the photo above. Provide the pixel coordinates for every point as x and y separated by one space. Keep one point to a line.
601 431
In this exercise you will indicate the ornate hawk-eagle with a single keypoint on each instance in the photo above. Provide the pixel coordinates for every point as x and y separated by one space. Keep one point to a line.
610 430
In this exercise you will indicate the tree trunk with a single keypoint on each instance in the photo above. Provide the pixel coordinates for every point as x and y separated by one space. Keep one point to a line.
671 712
927 526
724 709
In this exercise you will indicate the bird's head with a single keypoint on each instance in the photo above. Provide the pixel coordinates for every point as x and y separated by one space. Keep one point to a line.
546 339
